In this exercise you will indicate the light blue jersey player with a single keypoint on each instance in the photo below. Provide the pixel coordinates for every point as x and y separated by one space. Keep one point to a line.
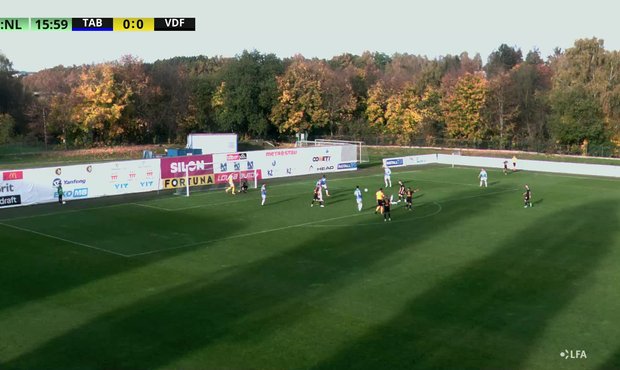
263 194
358 198
323 183
387 176
483 177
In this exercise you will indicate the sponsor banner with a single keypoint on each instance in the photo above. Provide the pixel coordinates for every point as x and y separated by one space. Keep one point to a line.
175 167
12 175
181 182
394 162
10 200
222 178
126 177
347 166
284 162
236 157
283 152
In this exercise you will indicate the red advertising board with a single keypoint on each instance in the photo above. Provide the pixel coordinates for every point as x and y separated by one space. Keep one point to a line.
175 167
222 178
12 175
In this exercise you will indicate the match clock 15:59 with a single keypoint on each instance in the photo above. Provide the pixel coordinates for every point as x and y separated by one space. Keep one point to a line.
134 24
51 24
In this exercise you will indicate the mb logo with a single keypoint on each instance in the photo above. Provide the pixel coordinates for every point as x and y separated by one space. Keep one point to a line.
223 167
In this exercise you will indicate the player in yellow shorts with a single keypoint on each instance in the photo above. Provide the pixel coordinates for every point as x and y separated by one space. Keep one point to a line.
231 184
380 198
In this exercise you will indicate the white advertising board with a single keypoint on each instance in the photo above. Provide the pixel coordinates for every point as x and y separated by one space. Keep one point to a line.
284 162
39 185
498 162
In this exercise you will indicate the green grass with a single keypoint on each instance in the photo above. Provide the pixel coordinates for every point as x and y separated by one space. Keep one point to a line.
469 279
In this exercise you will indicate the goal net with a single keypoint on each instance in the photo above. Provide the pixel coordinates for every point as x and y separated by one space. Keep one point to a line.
190 185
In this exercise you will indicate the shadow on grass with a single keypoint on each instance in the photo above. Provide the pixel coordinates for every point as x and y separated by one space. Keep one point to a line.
490 315
612 363
35 266
243 305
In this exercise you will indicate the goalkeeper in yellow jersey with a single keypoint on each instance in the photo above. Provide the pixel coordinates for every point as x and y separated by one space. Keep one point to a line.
231 184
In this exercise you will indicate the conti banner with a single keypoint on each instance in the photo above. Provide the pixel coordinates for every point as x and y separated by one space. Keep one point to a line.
193 181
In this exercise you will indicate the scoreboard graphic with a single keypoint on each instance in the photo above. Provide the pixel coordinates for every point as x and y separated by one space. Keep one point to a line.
97 24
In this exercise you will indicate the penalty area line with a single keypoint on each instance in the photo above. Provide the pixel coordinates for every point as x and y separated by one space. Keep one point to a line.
63 240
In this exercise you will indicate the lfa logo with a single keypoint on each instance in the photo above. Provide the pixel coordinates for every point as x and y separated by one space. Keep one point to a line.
573 354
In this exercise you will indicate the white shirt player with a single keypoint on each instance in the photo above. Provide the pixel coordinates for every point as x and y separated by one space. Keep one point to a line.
358 198
263 194
483 177
387 177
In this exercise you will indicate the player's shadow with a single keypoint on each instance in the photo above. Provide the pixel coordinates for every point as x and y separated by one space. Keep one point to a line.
493 183
538 201
491 314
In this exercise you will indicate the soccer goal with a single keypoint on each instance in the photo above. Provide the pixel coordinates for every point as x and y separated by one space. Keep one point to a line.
352 151
196 184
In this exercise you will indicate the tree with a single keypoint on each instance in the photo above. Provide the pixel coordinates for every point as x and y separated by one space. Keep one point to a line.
310 97
7 124
246 93
463 108
503 59
102 100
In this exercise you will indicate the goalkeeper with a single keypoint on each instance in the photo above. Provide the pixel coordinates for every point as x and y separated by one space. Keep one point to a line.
231 184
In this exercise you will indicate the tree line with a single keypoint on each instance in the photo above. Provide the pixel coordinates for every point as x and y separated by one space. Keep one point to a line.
571 99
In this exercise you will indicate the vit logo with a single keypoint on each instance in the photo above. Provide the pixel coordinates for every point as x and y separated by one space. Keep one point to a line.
114 177
146 184
121 186
576 354
132 175
149 173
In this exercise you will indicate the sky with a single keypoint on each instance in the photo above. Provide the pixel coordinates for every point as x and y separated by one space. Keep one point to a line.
317 28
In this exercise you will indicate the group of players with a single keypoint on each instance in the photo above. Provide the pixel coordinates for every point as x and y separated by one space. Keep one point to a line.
384 203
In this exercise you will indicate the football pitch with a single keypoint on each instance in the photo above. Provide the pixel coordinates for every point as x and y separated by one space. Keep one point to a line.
469 279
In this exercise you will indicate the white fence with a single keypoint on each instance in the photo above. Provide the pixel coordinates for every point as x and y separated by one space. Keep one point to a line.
494 162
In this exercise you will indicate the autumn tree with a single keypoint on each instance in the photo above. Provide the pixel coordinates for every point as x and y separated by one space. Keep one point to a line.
463 108
308 100
102 100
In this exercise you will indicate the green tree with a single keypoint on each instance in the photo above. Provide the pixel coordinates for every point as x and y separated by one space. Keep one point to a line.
246 94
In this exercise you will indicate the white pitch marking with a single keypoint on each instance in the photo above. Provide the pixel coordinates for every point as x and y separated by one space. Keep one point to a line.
64 240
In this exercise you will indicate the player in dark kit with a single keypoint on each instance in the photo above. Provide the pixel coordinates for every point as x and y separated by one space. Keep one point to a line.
244 187
60 194
317 196
409 199
527 197
505 167
387 216
401 191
